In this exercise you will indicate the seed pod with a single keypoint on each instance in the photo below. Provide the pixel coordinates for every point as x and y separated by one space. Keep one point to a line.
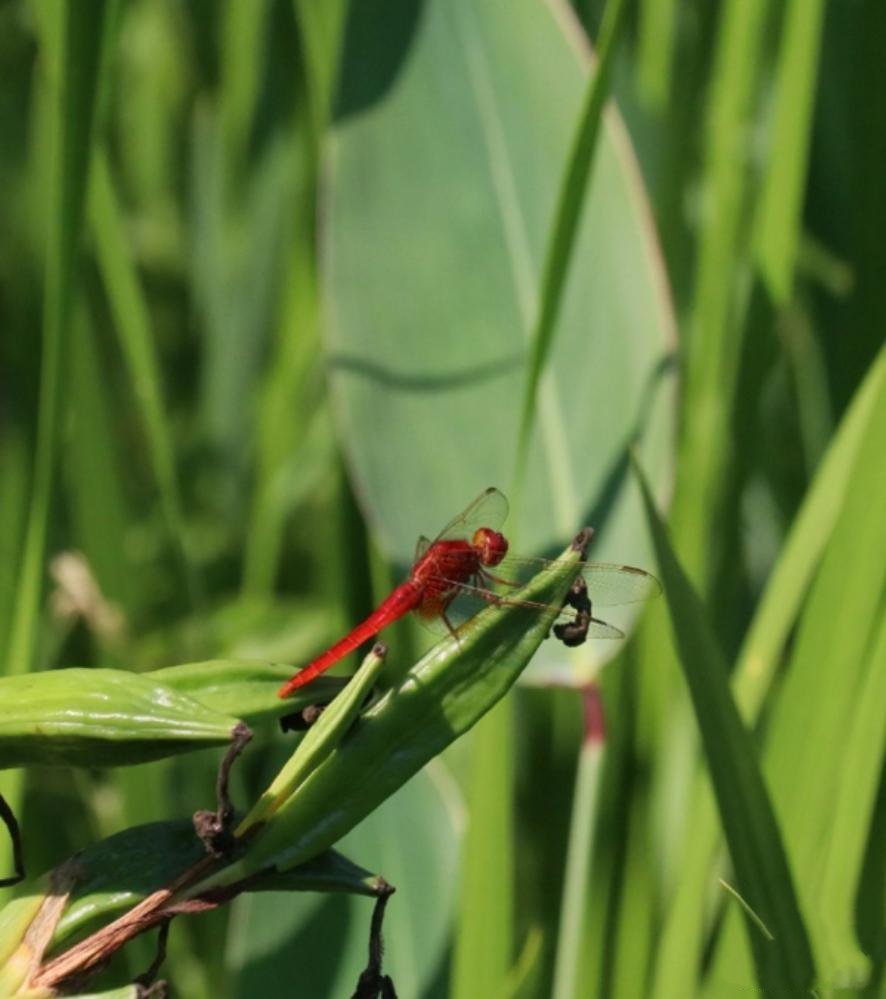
100 718
320 740
247 688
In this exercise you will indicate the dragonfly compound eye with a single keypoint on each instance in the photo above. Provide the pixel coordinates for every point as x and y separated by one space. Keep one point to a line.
490 546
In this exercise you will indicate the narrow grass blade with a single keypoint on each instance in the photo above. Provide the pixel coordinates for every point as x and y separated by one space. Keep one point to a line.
484 933
779 214
819 737
80 31
755 919
841 874
73 46
813 525
655 57
14 473
715 332
133 327
784 965
94 477
681 941
321 27
566 221
242 53
286 429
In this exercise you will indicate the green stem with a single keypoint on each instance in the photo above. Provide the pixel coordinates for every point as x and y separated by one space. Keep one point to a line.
577 874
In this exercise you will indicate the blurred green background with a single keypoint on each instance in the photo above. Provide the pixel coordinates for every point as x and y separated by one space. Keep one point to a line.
270 272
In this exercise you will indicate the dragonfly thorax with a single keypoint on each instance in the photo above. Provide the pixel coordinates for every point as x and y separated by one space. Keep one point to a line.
490 546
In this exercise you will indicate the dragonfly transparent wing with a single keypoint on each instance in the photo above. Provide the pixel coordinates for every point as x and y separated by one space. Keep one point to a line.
489 509
470 600
609 585
421 546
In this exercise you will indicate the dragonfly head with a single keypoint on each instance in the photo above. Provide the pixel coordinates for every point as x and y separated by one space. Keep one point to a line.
490 546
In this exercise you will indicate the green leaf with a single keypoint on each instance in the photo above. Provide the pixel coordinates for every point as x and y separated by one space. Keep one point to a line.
655 56
842 874
320 26
72 44
715 331
570 204
100 510
440 195
577 875
779 215
77 33
484 936
116 873
133 327
821 736
763 878
317 944
682 940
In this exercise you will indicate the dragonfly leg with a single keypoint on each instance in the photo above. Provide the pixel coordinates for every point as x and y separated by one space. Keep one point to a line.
487 576
448 623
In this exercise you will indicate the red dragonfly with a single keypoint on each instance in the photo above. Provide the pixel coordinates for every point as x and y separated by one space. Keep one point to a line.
451 573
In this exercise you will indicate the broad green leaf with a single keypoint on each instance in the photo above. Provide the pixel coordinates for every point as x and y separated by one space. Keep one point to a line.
783 965
444 169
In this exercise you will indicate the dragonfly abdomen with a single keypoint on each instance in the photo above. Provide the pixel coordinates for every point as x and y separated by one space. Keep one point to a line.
402 600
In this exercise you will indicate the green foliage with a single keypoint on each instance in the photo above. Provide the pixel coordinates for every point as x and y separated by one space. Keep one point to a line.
274 279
